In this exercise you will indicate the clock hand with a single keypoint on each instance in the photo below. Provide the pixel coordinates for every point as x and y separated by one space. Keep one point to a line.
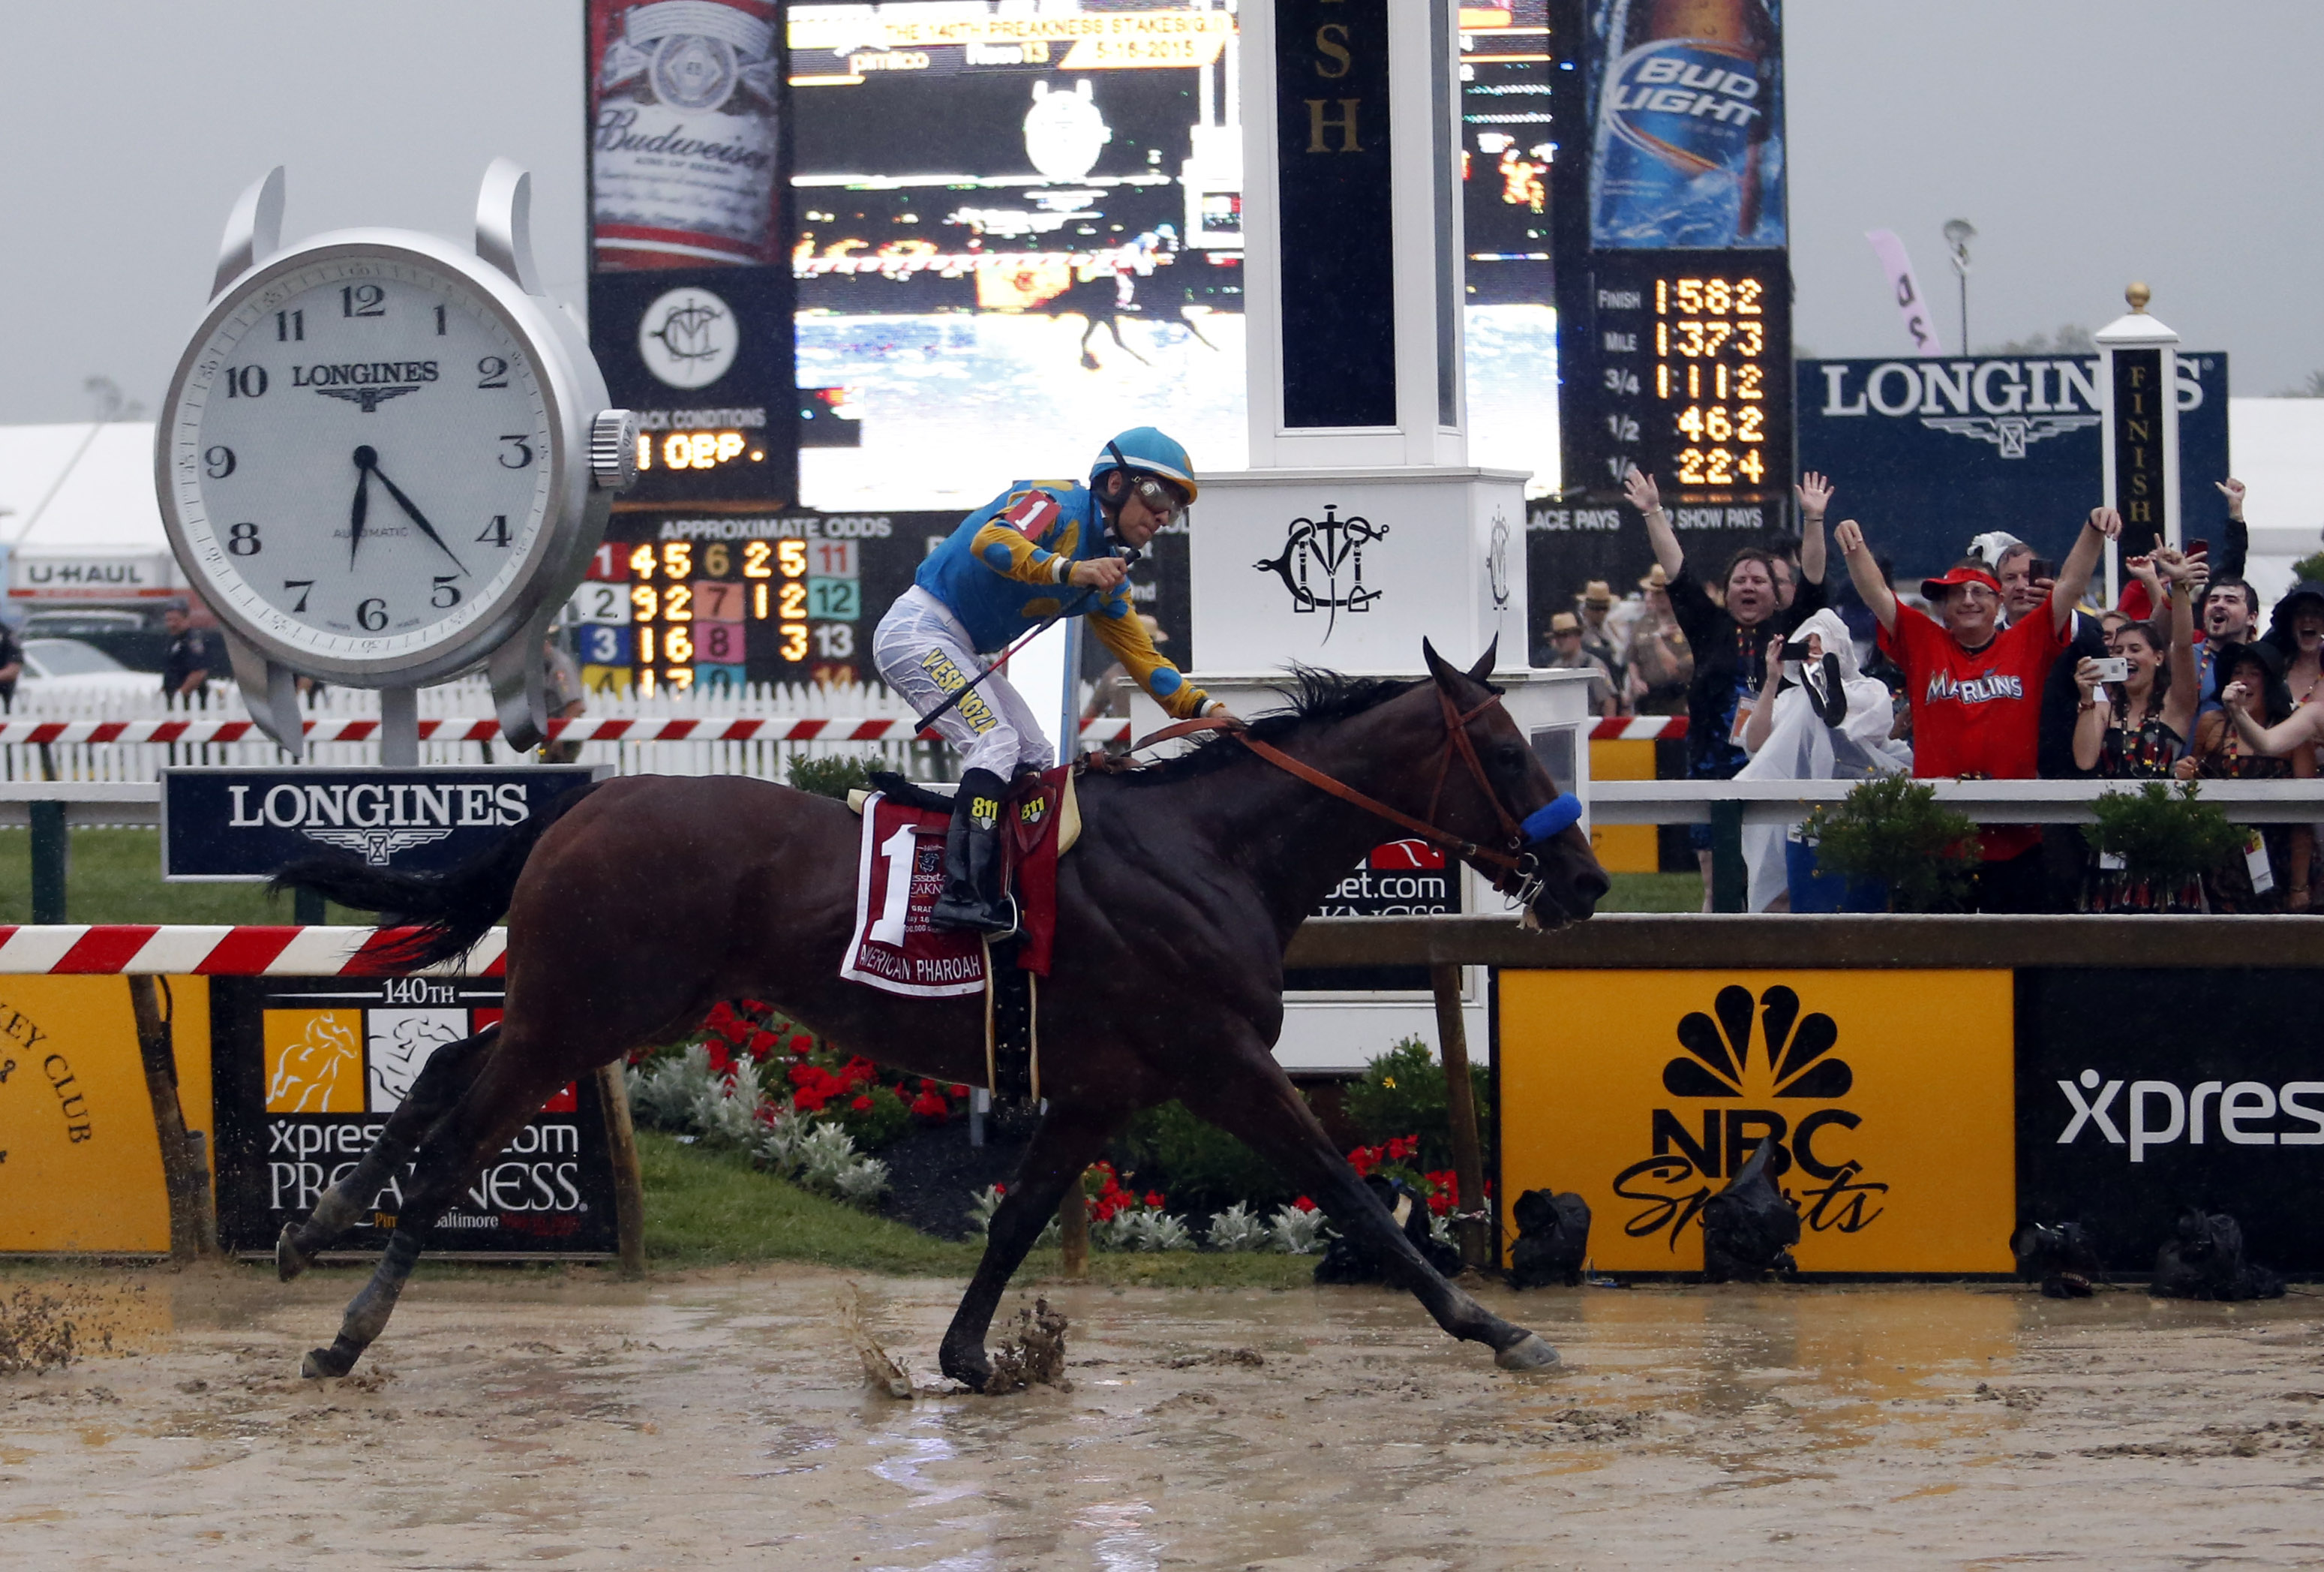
426 528
364 459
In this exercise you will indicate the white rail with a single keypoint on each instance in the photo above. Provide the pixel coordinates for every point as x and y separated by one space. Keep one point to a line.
1986 801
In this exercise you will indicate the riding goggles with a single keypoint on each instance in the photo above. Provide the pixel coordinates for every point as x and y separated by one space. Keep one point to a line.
1160 498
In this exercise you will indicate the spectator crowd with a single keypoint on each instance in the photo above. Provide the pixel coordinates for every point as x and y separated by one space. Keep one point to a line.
2005 666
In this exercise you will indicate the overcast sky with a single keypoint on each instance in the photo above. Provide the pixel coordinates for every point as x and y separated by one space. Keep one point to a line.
2089 141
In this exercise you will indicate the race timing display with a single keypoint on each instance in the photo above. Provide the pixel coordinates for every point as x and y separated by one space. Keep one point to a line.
1685 372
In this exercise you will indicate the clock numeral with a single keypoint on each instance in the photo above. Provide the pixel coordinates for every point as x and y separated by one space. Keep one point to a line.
217 462
519 457
439 322
290 326
241 539
496 533
491 371
363 301
245 382
446 594
305 587
372 614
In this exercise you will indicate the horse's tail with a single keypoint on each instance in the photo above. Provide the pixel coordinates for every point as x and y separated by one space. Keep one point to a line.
450 911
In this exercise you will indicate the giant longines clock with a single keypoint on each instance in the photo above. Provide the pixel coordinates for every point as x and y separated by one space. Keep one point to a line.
384 461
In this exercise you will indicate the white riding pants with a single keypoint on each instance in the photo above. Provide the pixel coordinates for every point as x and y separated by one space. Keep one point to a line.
927 656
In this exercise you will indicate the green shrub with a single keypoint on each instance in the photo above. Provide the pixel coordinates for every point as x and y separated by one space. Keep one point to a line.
1403 1093
2166 836
1201 1167
834 777
2311 566
1892 830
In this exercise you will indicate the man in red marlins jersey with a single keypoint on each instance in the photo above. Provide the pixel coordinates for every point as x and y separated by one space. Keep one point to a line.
1975 688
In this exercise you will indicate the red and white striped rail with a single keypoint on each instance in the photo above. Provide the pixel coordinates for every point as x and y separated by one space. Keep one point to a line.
248 950
1639 728
586 729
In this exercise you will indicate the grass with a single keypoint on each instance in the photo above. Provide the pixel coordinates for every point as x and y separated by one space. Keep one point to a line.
713 1208
116 876
1654 892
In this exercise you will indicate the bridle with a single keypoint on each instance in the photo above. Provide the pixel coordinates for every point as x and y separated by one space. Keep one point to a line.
1513 863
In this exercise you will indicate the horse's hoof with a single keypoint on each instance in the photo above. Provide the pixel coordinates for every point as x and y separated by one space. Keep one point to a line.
288 1261
321 1364
972 1374
1529 1352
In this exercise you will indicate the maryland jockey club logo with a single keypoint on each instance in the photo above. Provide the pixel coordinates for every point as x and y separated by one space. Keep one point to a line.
1497 561
1752 1051
1322 565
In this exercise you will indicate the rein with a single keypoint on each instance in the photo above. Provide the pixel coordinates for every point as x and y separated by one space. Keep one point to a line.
1513 861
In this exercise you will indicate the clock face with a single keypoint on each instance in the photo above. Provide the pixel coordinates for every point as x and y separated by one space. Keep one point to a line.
360 457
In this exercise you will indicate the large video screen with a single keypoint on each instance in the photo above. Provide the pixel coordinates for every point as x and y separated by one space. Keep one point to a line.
1019 231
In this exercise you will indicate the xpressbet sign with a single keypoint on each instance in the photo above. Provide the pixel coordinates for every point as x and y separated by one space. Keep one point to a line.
232 823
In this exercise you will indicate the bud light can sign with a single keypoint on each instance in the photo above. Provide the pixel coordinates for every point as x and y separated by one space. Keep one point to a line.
1687 139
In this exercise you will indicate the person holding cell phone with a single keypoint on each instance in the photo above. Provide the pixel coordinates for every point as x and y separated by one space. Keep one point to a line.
1975 689
2272 875
2136 712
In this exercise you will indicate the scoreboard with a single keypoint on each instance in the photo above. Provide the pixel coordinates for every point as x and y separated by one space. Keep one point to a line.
720 602
1681 365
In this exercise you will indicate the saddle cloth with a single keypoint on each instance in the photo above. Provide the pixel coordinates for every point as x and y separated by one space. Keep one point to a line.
899 875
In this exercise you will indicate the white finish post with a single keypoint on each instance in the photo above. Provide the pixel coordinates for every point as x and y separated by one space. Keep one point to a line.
2141 446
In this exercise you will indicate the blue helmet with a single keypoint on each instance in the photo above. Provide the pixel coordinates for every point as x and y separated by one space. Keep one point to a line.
1149 452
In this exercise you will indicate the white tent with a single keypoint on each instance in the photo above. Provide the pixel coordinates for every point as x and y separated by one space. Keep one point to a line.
77 518
2277 447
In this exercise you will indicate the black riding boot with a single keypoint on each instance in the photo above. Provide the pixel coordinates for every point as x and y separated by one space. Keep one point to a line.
973 897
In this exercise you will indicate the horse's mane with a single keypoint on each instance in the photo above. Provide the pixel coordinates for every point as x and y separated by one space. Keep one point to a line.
1310 694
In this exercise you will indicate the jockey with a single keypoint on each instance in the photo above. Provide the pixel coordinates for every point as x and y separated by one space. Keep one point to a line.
1038 549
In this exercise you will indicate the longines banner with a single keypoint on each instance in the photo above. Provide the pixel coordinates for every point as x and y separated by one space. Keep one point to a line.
310 1069
80 1168
235 824
1927 452
1888 1096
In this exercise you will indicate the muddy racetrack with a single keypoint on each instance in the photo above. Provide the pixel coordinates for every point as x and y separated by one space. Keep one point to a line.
722 1420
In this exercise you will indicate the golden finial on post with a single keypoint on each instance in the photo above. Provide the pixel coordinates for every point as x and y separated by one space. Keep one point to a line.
2137 294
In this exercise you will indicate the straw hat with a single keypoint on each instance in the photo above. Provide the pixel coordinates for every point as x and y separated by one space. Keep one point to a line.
1565 622
1656 579
1596 592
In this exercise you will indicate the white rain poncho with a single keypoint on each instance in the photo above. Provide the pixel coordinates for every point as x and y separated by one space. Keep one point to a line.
1801 745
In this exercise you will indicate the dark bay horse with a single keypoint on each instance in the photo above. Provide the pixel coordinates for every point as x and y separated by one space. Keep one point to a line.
654 898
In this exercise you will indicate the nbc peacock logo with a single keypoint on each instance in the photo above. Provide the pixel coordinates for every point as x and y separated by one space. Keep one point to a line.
1744 1051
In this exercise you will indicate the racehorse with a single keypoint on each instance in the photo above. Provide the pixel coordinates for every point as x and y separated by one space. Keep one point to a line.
650 899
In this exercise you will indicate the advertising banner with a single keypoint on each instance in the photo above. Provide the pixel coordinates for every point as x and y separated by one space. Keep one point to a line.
80 1165
1888 1094
2216 1100
1686 112
308 1071
225 823
690 295
1929 452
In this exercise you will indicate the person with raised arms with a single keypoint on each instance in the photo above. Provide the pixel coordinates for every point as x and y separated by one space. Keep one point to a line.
1975 689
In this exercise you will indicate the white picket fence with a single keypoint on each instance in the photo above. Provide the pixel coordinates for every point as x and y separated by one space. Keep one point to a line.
469 699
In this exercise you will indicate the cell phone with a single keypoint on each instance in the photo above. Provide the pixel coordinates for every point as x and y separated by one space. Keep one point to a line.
2042 567
1797 650
2113 668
